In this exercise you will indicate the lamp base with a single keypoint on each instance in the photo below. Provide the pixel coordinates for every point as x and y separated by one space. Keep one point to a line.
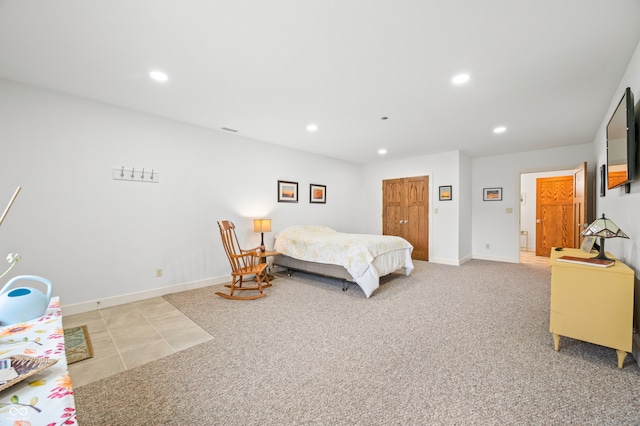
601 254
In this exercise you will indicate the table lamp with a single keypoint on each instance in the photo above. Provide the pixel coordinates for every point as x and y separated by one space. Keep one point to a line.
603 228
262 226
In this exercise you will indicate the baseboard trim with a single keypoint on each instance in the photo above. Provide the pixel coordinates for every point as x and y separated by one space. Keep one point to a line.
496 258
95 304
452 262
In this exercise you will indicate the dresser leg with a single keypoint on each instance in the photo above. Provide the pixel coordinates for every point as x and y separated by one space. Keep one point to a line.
621 356
556 341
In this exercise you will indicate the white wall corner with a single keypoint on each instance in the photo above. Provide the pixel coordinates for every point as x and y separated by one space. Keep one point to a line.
444 261
93 305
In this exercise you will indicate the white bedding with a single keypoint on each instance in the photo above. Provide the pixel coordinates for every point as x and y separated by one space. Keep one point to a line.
366 257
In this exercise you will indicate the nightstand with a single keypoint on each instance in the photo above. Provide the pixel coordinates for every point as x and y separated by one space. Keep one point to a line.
591 303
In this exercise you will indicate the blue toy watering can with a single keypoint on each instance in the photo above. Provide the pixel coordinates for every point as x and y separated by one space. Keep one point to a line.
23 303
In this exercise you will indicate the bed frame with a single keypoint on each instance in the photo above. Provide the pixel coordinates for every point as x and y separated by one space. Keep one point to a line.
326 270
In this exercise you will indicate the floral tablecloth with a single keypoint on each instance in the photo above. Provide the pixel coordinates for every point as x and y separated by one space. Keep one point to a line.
45 398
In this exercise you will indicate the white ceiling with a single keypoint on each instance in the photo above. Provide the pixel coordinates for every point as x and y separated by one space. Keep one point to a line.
545 69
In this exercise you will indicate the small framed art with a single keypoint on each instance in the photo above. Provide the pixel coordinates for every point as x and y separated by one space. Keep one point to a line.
445 193
287 192
603 180
492 194
587 243
317 193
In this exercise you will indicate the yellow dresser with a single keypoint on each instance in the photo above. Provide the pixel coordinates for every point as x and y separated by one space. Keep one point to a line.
591 303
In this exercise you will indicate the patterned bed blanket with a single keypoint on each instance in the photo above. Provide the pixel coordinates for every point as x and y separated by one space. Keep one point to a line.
317 243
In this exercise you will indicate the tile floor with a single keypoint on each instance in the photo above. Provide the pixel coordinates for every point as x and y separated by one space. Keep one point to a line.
130 335
530 257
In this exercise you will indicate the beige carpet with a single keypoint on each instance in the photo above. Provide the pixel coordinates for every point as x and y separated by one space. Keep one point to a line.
448 345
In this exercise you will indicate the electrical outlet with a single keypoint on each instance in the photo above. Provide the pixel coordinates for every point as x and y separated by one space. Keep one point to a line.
159 272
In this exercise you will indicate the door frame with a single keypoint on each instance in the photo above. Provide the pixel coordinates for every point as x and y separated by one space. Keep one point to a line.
530 198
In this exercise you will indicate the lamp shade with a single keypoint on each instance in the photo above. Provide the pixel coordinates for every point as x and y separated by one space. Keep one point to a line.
261 225
604 228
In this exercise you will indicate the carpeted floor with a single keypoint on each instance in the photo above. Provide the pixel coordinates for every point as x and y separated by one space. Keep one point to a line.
447 345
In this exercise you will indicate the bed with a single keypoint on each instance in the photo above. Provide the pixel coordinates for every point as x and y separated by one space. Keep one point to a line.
359 258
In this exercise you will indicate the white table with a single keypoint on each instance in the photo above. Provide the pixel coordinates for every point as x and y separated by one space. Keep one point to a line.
46 397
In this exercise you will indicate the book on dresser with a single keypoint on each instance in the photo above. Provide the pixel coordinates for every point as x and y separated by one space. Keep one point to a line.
601 263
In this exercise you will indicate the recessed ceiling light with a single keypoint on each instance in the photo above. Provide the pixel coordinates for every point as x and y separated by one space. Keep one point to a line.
159 76
312 127
460 79
382 151
500 129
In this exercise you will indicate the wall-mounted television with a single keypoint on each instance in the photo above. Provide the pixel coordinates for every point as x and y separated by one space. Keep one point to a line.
622 143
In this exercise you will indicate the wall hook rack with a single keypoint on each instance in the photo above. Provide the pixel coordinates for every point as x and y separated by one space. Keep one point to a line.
131 175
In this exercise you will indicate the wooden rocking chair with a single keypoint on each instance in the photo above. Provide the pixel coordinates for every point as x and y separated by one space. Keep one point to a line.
243 263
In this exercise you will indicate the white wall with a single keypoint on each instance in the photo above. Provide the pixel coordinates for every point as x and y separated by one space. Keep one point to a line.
623 209
98 239
461 228
444 226
465 249
491 223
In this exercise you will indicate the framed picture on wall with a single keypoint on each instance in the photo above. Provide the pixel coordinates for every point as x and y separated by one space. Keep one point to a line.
603 180
287 191
492 194
317 193
445 193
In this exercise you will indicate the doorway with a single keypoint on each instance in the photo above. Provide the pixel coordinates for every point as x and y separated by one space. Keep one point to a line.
554 213
530 232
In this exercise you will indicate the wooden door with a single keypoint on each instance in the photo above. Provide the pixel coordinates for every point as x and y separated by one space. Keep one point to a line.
393 207
417 215
580 202
554 214
405 212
